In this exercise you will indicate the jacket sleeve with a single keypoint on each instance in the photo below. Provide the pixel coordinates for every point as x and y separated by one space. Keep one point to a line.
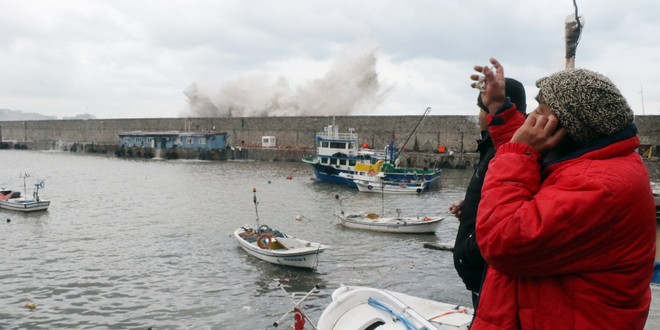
504 123
565 225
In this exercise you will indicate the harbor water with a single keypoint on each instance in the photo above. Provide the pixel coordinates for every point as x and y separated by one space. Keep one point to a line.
138 244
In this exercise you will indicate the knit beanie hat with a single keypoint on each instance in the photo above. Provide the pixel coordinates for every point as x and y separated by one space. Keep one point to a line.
515 91
587 104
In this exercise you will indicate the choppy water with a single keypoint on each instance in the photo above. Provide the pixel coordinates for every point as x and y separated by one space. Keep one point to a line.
146 243
134 244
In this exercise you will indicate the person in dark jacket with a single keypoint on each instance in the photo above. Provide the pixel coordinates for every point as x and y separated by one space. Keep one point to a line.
467 258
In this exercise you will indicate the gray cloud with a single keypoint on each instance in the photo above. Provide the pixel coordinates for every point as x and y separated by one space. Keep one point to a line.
111 60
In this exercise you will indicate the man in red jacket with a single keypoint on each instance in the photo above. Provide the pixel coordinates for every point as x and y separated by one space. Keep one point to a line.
566 220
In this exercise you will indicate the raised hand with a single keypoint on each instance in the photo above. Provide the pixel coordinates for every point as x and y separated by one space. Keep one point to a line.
491 83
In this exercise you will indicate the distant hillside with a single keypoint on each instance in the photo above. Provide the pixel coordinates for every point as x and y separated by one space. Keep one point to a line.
18 115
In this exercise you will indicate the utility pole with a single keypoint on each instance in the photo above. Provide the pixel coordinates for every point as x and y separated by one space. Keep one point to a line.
641 91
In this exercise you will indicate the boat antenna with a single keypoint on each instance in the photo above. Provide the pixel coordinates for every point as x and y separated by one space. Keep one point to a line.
256 210
382 198
428 109
24 175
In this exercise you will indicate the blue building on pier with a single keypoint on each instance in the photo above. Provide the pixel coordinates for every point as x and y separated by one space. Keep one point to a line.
174 139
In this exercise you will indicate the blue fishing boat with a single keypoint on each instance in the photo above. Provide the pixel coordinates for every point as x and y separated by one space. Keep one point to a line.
339 157
339 153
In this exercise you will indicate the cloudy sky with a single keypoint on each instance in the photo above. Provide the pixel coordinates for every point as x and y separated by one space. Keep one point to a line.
150 59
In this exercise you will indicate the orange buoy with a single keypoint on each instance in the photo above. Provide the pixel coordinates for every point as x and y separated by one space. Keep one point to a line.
263 241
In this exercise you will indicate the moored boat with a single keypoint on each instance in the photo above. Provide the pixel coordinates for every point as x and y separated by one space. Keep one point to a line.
276 247
355 307
15 201
340 157
385 187
338 153
372 178
398 224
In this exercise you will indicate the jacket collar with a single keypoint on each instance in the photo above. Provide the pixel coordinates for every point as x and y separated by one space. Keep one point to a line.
570 151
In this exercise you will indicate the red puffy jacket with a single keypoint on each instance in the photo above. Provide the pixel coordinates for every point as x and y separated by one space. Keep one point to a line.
571 247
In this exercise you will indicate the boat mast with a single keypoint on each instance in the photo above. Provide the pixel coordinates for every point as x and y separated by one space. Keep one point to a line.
256 210
412 133
24 175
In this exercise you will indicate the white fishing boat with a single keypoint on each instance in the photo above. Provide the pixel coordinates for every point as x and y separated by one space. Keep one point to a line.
404 187
355 307
398 224
15 201
276 247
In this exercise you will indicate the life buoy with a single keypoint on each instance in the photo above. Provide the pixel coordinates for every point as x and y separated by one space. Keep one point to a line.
427 219
263 241
370 187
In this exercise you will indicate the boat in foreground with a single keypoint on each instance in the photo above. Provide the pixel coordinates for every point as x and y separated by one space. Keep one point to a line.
355 307
15 201
398 224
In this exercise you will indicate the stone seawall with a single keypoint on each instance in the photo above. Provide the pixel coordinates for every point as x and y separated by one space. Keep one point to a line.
295 135
455 132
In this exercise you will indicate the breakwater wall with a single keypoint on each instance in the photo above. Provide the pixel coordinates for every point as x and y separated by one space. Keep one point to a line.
295 135
459 132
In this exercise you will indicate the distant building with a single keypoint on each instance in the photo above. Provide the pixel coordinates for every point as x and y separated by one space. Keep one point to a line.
174 139
268 142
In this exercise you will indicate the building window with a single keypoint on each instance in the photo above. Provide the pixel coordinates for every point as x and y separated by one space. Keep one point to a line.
190 140
150 140
202 140
138 140
127 139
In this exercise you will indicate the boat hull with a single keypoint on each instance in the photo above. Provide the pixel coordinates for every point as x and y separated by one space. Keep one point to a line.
324 173
303 257
389 188
25 206
368 308
427 225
